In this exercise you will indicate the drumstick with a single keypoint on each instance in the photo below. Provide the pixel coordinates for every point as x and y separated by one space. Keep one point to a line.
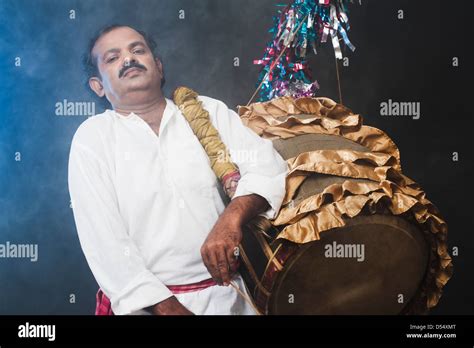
245 297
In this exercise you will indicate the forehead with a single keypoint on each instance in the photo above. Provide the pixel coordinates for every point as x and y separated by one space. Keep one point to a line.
116 38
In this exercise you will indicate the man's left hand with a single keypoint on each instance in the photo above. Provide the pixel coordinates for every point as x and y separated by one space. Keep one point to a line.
218 250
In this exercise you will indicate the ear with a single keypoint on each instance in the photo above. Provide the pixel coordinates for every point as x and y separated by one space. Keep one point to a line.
96 85
159 65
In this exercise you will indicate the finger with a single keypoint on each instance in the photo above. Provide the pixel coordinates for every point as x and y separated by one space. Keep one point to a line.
209 263
232 260
223 265
205 258
213 267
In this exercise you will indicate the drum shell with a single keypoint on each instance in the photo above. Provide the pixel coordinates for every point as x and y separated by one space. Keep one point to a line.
290 278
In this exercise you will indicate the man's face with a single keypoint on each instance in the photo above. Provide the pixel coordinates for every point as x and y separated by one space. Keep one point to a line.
126 66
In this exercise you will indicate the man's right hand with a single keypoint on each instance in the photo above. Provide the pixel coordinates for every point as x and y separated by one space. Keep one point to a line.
170 306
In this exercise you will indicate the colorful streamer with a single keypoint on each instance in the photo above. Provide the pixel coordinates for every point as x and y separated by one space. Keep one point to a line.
297 30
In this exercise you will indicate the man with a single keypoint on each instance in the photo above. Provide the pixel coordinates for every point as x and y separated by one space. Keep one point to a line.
148 208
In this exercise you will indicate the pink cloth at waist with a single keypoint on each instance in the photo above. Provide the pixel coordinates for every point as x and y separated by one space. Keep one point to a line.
103 305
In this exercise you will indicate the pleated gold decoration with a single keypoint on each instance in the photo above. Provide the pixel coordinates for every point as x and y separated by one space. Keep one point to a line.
388 187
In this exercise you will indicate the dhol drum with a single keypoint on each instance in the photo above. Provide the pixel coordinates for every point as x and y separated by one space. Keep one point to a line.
374 264
354 235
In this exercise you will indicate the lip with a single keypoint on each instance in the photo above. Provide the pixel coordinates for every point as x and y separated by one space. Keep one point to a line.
131 70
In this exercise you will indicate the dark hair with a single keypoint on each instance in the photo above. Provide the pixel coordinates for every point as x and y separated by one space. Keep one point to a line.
89 62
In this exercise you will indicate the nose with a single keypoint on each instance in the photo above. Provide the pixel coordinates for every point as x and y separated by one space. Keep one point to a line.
128 61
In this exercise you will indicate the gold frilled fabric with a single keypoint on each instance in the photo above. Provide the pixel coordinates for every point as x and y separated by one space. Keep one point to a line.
281 118
386 188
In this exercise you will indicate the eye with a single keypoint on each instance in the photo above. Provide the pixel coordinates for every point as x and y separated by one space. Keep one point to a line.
139 51
111 59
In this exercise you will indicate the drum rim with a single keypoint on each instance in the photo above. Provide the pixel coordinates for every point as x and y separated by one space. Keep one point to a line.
418 235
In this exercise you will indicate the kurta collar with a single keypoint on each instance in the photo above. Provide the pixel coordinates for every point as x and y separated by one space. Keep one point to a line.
170 109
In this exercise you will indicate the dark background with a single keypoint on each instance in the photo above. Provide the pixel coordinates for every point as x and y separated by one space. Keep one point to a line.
402 60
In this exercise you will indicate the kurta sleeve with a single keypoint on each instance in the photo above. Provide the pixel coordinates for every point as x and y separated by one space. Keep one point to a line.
262 169
112 255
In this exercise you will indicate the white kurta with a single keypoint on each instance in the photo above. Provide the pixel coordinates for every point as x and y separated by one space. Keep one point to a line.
144 204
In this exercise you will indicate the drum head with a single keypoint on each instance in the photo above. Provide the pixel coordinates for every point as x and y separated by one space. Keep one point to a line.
292 147
373 265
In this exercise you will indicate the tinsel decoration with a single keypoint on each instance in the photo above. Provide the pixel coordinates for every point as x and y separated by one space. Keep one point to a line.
297 30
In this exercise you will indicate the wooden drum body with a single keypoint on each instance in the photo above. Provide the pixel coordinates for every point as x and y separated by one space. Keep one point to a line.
374 264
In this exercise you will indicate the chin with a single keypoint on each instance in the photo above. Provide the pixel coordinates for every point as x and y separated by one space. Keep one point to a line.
137 83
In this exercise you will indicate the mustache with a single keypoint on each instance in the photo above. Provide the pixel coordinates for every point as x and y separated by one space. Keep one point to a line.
132 65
